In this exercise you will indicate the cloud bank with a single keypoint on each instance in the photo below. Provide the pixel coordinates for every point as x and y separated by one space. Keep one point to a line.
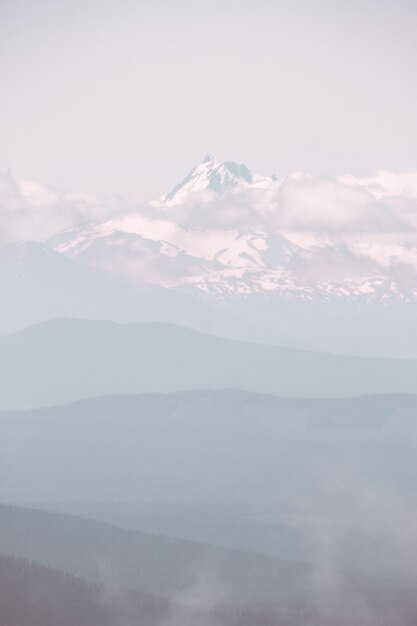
31 211
302 202
384 203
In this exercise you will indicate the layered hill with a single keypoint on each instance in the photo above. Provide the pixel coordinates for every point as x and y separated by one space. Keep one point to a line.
119 558
215 447
39 284
35 595
65 360
340 472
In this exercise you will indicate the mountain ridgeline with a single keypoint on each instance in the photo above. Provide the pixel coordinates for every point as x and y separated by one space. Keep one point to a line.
65 360
203 446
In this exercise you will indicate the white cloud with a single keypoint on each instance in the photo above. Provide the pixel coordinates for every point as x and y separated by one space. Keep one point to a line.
303 203
330 205
303 207
30 211
403 184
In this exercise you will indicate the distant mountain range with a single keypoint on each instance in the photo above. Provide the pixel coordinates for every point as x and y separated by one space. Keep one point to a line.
65 360
312 263
225 232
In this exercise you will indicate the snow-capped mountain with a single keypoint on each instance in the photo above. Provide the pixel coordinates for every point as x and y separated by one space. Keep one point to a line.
213 175
226 232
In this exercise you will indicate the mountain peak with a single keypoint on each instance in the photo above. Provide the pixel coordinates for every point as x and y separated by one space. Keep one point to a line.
214 175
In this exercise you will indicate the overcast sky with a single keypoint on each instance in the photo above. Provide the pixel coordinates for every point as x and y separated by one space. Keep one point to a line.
126 96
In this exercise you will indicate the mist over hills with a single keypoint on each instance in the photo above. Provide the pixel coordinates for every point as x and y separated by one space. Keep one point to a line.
115 557
34 595
331 482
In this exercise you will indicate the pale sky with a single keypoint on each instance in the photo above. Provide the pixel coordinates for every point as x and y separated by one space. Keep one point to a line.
120 96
